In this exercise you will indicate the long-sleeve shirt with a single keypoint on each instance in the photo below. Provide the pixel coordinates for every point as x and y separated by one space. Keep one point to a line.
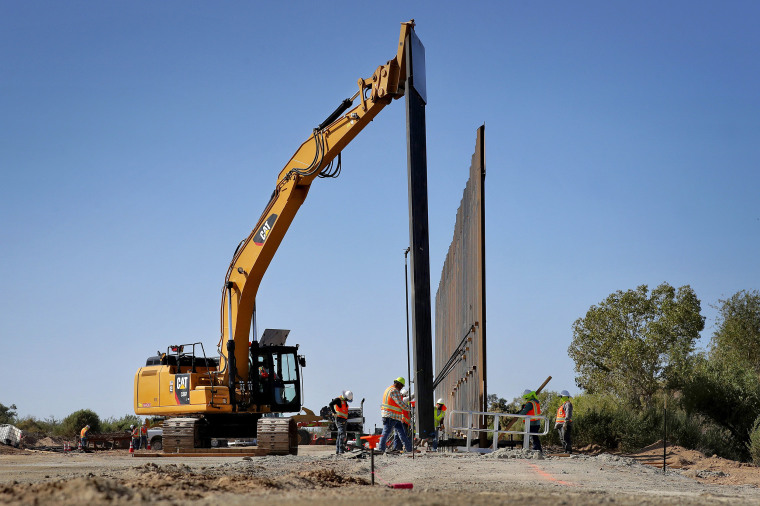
568 407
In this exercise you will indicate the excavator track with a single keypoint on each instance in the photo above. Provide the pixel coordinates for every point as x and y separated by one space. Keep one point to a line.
277 436
181 434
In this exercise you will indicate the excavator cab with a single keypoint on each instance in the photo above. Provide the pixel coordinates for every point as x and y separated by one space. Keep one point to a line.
275 372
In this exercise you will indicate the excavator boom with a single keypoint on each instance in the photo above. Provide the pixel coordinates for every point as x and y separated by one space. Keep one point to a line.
314 158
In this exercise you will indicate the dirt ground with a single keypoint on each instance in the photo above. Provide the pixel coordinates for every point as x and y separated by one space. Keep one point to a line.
316 476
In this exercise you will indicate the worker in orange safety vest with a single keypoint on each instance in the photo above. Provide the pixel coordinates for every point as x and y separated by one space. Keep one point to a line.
135 437
564 421
83 436
532 407
339 406
144 435
392 413
406 419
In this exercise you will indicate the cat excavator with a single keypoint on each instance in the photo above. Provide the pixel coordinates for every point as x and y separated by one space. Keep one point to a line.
206 399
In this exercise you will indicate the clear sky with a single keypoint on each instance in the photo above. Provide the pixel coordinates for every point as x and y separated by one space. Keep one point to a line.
140 141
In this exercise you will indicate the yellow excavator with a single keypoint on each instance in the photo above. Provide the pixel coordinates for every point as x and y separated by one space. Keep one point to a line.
207 399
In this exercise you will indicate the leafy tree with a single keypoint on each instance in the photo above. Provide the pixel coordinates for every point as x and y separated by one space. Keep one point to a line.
497 404
723 385
737 339
72 424
7 413
726 393
633 343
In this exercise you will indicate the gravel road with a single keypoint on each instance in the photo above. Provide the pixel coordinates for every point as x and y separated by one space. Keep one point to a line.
315 476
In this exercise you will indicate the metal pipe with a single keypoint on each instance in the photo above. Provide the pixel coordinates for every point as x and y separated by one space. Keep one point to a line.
408 354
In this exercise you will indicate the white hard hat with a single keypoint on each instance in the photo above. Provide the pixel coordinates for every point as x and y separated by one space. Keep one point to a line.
348 395
131 426
439 401
564 393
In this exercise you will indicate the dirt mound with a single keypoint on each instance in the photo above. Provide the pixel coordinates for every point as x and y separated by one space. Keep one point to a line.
328 477
10 450
695 464
590 450
78 490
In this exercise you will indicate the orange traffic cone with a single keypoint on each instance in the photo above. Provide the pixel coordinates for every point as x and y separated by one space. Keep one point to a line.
65 447
131 447
80 445
148 447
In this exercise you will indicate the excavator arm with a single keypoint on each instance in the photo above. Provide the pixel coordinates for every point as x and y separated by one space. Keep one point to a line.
314 158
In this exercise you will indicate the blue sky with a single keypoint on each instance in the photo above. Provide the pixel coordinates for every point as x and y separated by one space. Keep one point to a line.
140 141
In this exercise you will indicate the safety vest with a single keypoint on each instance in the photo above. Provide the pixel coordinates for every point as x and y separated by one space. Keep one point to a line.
263 372
83 433
561 416
390 404
136 432
144 430
406 417
438 415
535 409
341 410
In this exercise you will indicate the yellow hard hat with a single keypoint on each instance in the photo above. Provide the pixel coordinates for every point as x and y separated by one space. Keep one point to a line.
400 380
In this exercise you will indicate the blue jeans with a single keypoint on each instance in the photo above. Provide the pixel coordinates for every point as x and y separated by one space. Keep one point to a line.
341 425
435 440
397 439
389 425
536 443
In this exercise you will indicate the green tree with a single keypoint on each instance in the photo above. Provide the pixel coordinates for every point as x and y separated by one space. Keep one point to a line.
723 385
726 393
7 413
72 424
737 339
635 342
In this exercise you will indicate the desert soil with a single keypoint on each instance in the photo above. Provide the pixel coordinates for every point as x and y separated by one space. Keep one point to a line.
316 476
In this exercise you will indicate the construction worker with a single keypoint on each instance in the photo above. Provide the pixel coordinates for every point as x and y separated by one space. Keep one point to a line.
144 435
339 407
83 434
392 413
406 418
135 437
564 422
438 414
532 407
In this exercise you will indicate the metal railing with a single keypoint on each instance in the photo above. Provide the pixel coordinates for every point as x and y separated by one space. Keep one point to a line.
495 431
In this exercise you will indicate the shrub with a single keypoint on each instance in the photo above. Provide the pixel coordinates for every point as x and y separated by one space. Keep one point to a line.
120 424
754 442
32 425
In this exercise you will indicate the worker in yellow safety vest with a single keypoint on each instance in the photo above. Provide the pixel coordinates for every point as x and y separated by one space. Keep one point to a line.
392 413
532 407
564 421
438 414
339 406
